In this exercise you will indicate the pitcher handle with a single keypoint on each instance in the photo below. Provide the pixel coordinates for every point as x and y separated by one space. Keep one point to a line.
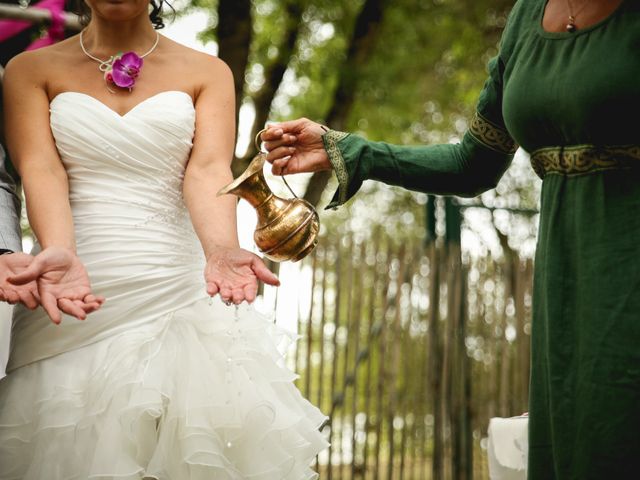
258 145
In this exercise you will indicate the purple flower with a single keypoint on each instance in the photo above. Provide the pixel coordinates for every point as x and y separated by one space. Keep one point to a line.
124 70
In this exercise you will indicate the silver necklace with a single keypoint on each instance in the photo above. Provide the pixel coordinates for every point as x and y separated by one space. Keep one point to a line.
122 69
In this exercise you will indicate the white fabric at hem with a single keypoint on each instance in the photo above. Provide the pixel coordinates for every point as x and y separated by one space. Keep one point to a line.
508 448
5 336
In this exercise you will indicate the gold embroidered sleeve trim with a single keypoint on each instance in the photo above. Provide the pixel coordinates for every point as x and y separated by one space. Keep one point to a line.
584 159
331 139
491 135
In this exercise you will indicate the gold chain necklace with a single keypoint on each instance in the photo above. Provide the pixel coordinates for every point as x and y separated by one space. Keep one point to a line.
571 24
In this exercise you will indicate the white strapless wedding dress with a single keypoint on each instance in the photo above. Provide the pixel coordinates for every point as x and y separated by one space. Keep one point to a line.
162 382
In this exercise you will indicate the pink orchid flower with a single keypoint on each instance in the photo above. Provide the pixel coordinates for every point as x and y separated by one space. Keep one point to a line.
124 70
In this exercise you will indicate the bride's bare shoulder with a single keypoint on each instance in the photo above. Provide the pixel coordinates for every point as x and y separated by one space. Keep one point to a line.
39 64
195 62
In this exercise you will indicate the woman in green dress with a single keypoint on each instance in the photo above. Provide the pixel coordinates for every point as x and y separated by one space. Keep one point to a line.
565 86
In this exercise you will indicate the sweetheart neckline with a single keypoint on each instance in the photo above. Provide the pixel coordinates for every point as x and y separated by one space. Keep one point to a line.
132 109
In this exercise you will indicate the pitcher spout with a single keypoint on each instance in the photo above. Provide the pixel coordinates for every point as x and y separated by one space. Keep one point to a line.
251 185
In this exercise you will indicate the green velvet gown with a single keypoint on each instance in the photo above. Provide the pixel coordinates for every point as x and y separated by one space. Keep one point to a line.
572 101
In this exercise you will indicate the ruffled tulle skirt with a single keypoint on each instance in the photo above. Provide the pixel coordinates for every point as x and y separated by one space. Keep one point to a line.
201 393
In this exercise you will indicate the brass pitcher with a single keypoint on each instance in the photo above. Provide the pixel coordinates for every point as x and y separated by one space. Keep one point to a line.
287 229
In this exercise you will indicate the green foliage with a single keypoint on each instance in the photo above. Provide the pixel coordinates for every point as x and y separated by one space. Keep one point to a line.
319 56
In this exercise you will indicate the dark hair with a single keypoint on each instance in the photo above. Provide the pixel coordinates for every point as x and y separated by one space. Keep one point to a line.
80 8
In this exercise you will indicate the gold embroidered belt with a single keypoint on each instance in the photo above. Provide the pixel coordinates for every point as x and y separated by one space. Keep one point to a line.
582 159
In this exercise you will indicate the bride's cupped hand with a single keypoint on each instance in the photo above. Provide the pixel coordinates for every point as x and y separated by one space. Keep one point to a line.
62 284
233 273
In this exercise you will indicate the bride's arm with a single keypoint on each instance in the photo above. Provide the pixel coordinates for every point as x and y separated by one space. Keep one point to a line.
62 281
209 167
32 150
231 271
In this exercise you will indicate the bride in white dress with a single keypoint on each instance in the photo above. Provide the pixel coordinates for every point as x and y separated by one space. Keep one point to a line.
163 382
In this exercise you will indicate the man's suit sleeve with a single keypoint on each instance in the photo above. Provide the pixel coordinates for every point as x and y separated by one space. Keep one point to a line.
9 210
